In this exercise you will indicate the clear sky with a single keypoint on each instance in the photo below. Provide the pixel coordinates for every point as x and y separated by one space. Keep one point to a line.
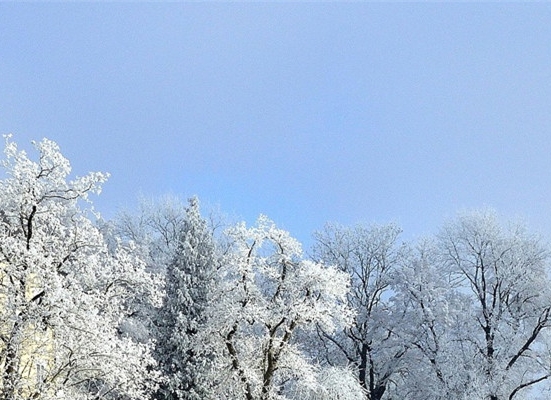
354 113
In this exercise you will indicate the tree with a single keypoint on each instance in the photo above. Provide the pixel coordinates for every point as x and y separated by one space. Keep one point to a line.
438 365
153 231
504 273
477 299
267 294
154 228
63 292
333 383
372 344
190 281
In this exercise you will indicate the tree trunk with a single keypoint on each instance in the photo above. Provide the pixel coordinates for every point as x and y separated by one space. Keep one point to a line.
11 367
378 392
362 368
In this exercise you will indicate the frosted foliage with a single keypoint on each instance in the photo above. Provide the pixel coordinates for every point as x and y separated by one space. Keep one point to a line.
153 232
434 314
333 383
64 294
154 229
268 292
190 279
374 343
479 302
464 314
503 270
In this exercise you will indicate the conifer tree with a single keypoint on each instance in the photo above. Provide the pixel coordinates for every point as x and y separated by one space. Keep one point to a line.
189 279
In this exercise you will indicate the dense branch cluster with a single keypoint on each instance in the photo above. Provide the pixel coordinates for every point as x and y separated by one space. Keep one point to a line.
165 304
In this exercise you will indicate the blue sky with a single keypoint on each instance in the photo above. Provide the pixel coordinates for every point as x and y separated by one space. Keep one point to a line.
355 113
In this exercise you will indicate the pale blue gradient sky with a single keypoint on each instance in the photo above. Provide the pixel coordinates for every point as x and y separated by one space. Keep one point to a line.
305 112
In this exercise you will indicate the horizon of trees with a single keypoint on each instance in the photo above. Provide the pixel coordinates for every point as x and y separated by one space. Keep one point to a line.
165 303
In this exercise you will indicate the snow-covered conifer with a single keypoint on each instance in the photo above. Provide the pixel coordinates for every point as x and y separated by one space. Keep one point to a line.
189 281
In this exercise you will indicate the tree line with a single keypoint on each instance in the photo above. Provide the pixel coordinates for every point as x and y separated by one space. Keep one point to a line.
165 303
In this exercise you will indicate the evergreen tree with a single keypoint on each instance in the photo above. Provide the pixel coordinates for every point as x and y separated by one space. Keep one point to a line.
189 279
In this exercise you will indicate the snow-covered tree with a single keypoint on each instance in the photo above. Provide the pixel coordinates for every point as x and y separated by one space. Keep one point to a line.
478 300
154 228
63 293
190 279
504 272
333 383
372 344
437 366
269 292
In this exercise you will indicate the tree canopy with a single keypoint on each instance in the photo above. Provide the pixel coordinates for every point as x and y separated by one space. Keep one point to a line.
161 304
